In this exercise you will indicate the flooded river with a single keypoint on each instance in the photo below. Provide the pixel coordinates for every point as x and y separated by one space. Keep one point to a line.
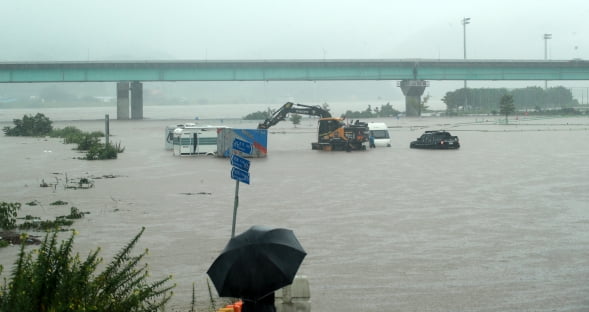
502 224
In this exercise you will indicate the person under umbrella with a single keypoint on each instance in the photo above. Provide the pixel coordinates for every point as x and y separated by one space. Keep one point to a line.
254 264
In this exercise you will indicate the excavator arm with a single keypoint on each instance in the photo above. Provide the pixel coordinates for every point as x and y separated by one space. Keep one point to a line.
288 108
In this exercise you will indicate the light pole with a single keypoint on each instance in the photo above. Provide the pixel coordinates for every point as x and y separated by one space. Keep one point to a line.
465 21
546 37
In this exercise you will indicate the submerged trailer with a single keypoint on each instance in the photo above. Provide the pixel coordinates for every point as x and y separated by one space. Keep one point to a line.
257 137
196 140
169 134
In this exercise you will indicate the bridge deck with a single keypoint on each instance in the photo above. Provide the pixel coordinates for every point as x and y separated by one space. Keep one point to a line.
293 70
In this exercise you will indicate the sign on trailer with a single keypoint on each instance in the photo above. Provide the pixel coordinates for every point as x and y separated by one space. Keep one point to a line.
240 175
240 163
242 146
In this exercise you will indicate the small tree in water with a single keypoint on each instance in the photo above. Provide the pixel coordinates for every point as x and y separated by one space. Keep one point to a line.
296 119
506 106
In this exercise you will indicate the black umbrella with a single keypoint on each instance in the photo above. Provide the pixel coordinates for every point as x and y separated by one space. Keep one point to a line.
256 263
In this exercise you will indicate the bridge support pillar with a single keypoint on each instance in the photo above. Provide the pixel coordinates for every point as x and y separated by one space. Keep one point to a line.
136 100
123 100
413 90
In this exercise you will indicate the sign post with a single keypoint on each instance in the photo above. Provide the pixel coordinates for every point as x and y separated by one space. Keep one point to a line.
239 172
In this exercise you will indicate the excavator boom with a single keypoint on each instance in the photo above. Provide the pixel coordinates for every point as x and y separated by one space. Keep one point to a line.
288 108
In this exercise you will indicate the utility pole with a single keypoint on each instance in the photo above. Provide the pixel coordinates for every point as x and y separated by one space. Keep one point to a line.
465 21
546 37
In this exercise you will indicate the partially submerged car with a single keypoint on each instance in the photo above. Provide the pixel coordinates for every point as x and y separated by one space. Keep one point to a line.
438 139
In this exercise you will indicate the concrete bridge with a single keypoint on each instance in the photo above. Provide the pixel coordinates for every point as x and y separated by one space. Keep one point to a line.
412 74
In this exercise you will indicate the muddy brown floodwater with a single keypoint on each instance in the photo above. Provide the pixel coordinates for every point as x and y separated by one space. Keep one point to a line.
502 224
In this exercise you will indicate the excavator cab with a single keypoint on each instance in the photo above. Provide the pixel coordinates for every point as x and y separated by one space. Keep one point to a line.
328 128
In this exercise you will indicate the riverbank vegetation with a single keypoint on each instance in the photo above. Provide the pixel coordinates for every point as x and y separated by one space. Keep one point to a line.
11 225
385 110
52 278
89 142
533 100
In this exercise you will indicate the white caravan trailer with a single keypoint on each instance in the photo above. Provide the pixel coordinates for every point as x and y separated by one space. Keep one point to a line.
380 132
169 135
195 140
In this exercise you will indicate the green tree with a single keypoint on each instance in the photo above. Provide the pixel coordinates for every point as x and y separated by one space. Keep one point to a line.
387 110
38 125
423 107
259 115
506 106
296 119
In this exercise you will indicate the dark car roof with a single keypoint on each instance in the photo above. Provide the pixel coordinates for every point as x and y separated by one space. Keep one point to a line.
437 132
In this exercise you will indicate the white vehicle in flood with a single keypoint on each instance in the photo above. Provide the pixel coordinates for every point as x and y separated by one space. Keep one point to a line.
194 140
380 132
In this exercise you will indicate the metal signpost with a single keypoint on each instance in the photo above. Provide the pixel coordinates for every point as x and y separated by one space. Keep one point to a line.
239 173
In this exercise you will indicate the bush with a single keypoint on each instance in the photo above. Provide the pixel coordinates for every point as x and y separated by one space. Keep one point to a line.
37 125
102 151
8 212
73 135
70 134
87 142
51 279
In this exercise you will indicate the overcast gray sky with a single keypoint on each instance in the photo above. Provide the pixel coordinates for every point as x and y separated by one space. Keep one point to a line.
287 29
81 30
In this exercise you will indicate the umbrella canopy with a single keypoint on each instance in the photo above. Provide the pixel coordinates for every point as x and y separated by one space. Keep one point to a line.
256 263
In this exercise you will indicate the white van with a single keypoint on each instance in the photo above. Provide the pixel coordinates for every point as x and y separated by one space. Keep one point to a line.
380 132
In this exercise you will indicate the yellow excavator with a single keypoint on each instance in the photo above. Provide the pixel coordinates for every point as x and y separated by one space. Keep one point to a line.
333 134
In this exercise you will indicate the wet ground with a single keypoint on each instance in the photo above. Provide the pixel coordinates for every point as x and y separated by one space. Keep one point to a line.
502 224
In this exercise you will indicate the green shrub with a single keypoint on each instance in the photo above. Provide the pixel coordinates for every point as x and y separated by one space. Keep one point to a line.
38 125
102 151
67 131
87 142
75 213
51 279
73 135
8 213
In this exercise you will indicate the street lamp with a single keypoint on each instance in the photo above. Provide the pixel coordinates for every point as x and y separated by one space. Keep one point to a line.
546 37
465 21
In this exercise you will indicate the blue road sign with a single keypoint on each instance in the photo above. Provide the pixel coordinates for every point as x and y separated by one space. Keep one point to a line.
240 163
240 175
242 146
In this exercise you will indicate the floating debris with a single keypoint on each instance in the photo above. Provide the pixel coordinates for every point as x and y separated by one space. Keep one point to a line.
199 193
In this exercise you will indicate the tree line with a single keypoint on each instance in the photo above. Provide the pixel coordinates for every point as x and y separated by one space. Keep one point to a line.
484 100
